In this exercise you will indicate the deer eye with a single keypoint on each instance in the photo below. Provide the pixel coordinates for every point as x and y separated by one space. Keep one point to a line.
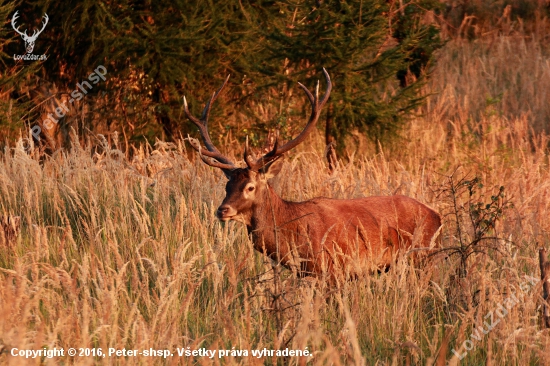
250 188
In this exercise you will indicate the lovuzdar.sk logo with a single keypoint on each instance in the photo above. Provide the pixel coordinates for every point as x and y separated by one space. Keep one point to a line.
29 40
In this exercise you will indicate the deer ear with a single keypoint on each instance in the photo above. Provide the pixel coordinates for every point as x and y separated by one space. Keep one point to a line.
227 173
272 169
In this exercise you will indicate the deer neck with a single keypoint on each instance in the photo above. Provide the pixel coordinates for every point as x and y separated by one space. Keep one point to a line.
267 216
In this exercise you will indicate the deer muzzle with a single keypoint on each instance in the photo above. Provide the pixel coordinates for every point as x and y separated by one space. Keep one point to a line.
225 212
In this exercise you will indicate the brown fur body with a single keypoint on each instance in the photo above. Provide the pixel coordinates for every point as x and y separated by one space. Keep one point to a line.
315 236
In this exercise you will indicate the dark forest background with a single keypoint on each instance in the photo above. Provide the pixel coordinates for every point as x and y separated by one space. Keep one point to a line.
379 54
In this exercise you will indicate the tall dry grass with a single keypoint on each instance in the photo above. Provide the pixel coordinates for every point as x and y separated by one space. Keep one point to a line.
120 253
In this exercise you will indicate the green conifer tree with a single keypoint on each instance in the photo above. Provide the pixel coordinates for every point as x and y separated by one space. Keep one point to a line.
367 49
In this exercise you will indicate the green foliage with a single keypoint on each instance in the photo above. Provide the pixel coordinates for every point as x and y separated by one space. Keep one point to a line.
164 47
484 215
353 41
5 11
14 100
155 52
475 218
421 40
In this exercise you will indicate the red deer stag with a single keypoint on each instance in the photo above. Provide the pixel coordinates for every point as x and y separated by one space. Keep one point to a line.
322 234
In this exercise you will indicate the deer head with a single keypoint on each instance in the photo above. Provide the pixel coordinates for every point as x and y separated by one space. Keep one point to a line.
247 187
29 40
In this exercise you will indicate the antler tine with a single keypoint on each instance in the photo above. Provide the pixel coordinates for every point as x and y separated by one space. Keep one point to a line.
329 87
206 110
257 165
44 23
211 151
214 163
205 155
316 107
13 19
202 123
308 93
195 144
247 157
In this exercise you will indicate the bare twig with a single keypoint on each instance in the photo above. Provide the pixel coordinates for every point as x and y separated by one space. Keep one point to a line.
545 277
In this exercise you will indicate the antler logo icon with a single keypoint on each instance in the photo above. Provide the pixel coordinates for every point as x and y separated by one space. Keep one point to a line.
29 40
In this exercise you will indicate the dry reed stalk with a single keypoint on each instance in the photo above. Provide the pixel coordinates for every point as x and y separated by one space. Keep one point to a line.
545 278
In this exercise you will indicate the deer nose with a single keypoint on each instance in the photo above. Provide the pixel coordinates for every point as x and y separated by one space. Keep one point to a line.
222 211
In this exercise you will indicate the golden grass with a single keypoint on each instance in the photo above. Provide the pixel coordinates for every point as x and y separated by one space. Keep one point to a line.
119 253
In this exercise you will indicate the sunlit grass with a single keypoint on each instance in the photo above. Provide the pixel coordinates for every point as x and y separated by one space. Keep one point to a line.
125 252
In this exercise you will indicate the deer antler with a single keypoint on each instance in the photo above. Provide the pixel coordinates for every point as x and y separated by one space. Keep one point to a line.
277 151
13 19
221 161
36 33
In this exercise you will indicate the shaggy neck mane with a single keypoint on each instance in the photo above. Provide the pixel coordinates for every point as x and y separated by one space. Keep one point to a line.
271 224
